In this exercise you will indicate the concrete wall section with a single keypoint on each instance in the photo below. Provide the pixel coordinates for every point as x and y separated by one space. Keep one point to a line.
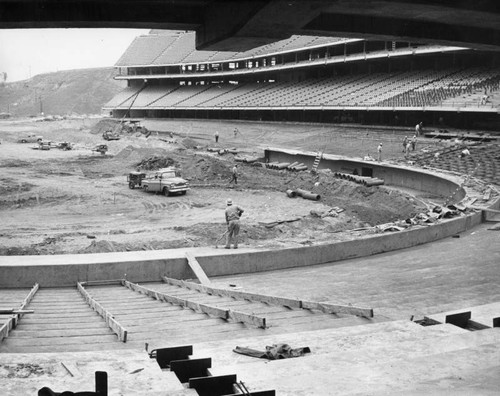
51 271
416 179
312 255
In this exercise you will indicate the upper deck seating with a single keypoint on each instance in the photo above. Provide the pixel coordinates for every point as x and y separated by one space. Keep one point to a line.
422 88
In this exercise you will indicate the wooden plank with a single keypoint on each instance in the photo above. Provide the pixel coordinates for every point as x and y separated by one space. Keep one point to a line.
15 311
6 328
334 309
102 282
196 267
247 318
485 209
198 307
112 323
30 296
239 295
25 302
202 308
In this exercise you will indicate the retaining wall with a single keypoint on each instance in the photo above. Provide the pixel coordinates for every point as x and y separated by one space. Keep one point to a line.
417 179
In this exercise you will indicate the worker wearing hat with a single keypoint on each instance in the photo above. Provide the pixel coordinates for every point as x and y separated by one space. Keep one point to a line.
233 214
379 151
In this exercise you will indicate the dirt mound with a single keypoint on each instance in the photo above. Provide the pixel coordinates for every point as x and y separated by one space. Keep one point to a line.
155 162
134 156
206 169
189 143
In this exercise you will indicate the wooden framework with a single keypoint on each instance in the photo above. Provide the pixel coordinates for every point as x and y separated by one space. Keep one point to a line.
226 314
272 300
11 323
112 323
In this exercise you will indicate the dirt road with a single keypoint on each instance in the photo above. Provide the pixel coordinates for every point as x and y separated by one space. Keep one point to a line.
57 202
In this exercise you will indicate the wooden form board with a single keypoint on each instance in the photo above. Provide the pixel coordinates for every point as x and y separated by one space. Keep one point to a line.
11 323
26 301
102 282
226 314
7 327
239 295
336 309
116 327
196 267
272 300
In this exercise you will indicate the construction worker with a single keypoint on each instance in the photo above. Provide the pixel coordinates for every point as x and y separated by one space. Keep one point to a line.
235 175
407 149
379 151
233 214
216 136
418 129
414 143
465 152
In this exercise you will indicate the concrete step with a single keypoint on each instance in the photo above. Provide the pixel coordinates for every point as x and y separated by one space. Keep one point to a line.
353 373
76 347
53 341
97 324
51 333
338 340
56 320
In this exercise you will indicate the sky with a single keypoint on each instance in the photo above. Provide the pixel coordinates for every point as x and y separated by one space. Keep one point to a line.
25 53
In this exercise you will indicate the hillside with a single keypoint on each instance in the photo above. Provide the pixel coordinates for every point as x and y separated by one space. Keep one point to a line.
82 91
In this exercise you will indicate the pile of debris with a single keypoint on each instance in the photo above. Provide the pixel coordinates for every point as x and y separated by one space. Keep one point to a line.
421 219
155 162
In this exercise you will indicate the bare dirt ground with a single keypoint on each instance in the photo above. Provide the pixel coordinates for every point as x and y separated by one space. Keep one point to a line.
78 201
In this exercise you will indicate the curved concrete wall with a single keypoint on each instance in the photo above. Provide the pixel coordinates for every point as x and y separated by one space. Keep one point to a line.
66 270
417 179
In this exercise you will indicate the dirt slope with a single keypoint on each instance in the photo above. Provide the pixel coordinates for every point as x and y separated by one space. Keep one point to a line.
82 91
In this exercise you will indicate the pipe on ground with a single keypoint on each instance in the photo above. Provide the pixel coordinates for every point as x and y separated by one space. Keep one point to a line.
282 165
374 182
311 196
291 194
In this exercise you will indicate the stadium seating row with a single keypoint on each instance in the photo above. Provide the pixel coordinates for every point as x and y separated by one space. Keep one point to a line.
421 88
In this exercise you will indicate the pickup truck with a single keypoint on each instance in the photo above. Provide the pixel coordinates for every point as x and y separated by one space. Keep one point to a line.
166 181
31 138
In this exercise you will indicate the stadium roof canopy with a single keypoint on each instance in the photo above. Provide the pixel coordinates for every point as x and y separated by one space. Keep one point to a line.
239 25
169 47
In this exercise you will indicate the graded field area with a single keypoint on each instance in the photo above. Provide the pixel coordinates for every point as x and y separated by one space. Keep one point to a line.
78 201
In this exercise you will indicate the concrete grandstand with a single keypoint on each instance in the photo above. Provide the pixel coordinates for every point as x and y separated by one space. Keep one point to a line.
409 312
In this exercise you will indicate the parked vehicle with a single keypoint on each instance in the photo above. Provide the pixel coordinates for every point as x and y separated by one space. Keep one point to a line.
135 179
111 135
166 181
31 138
100 148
